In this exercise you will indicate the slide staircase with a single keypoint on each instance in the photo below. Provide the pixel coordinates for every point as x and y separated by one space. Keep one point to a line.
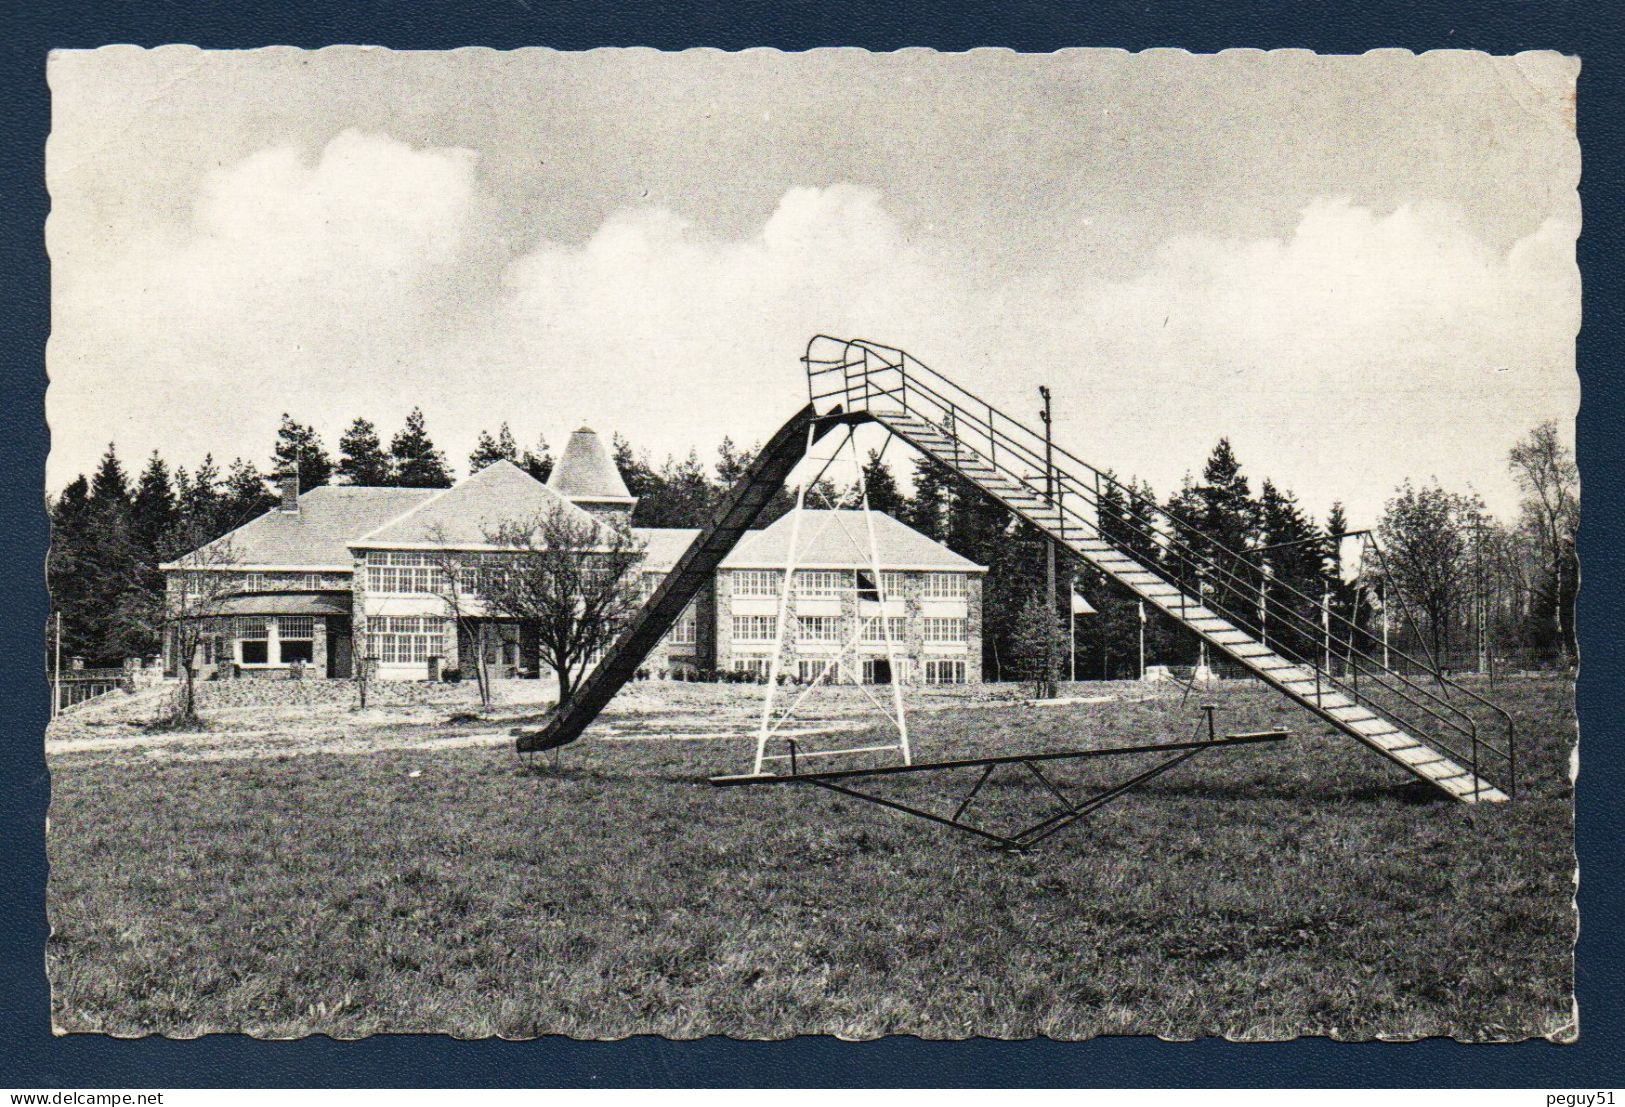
1303 646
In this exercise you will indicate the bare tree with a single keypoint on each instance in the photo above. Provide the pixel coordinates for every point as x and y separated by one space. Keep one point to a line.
456 580
1424 538
1550 481
191 605
572 578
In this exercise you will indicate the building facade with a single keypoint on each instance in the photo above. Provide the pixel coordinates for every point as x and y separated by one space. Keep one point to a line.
341 577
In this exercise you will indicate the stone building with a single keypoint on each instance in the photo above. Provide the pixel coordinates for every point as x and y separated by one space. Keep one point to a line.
339 574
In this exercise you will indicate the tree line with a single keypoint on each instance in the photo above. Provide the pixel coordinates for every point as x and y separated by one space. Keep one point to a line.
1470 581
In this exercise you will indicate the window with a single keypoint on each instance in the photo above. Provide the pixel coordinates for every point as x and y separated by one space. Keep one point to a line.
253 640
756 628
759 667
406 639
875 629
756 582
820 583
296 635
944 630
399 573
945 672
817 672
683 633
254 582
892 585
866 586
648 584
944 586
819 628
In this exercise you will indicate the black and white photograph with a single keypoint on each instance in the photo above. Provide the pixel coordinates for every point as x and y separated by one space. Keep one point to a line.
761 544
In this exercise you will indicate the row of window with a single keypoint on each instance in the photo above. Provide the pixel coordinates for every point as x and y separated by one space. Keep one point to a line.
203 583
825 583
827 628
876 670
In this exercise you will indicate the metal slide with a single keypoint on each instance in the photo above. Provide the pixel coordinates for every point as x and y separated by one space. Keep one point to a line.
699 562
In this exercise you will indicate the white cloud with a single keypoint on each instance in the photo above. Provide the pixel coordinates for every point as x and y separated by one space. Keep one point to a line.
291 278
1362 348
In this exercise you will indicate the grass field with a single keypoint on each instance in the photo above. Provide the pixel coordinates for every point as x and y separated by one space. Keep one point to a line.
313 870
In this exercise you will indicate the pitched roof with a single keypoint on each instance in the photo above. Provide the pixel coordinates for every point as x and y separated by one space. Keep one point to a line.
285 603
465 513
840 540
662 546
319 533
586 472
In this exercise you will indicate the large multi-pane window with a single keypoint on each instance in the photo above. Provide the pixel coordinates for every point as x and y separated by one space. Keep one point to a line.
685 631
406 639
254 639
944 586
944 630
819 628
296 639
397 572
945 672
875 629
275 639
756 628
820 583
891 584
756 582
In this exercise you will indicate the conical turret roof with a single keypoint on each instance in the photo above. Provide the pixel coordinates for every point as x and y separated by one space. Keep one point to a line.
586 472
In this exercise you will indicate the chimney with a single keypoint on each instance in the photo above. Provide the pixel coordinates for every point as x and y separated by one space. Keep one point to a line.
290 493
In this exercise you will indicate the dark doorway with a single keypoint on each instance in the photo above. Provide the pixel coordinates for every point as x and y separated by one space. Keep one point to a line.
340 650
881 670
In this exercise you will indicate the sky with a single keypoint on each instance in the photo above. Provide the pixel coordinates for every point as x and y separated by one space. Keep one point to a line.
1359 269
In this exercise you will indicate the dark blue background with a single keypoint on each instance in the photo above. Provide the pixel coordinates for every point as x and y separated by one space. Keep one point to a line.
31 1057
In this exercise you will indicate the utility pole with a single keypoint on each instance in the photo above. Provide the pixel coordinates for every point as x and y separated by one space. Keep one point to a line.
56 675
1142 641
1049 544
1480 600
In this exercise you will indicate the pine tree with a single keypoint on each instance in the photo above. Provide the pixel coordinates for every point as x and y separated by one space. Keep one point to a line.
153 513
927 510
109 488
68 572
200 503
732 462
246 496
635 470
362 461
299 452
1228 515
1296 559
539 462
489 451
415 462
881 487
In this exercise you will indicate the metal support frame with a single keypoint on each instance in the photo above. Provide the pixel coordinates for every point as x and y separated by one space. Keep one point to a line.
1063 812
772 721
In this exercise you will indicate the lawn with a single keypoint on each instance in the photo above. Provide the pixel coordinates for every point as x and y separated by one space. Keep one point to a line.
312 869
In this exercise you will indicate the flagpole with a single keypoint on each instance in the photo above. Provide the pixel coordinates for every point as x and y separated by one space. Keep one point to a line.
1072 635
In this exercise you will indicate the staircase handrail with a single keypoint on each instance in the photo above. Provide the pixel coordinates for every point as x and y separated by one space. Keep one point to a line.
958 412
